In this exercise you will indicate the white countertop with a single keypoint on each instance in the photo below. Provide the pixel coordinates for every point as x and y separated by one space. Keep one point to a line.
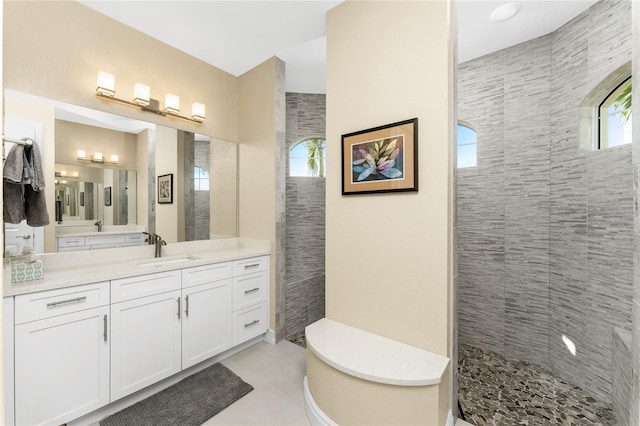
372 357
83 267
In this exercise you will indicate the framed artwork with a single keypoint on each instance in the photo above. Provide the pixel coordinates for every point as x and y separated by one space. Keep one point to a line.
81 199
107 196
381 159
165 189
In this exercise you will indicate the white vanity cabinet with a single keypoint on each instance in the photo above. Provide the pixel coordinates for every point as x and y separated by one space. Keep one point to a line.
146 331
61 354
250 287
206 320
97 242
71 351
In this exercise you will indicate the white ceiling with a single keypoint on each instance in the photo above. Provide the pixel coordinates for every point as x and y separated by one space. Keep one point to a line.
238 35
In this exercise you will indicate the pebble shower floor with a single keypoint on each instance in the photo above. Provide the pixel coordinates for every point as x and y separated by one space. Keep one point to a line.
496 391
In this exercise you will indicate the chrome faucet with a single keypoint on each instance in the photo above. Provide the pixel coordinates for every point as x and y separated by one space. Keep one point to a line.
157 240
159 243
99 225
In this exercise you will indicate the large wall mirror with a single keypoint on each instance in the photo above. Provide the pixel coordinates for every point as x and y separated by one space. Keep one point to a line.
120 189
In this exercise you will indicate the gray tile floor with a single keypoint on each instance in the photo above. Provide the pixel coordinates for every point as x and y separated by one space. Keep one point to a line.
497 391
276 373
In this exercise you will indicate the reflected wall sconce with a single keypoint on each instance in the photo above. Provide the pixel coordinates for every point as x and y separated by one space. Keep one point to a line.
97 157
106 89
64 174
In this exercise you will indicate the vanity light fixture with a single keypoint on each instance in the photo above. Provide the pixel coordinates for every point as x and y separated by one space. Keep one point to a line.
63 173
75 174
142 99
97 157
141 94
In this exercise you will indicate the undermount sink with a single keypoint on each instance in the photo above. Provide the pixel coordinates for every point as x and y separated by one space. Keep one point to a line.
167 260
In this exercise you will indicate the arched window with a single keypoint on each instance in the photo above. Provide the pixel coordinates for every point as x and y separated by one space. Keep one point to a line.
200 179
614 117
467 146
308 158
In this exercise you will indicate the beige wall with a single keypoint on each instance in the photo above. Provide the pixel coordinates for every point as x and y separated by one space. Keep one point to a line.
223 186
388 255
256 159
166 151
60 58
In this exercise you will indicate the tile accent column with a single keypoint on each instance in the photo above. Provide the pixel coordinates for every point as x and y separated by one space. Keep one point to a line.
305 230
635 338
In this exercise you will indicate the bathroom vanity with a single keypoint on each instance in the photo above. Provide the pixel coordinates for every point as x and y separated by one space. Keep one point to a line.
85 337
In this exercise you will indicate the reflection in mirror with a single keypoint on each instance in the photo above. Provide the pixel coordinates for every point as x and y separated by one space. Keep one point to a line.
80 195
208 213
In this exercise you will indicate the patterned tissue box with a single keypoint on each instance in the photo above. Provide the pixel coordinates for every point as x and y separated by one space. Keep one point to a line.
25 269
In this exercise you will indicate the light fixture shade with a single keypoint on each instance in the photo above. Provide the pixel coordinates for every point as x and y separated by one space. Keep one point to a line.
81 154
106 84
63 172
172 104
197 111
114 159
75 174
141 94
97 157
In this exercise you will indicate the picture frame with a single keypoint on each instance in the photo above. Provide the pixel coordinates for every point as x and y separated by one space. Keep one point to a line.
82 199
381 159
165 189
107 196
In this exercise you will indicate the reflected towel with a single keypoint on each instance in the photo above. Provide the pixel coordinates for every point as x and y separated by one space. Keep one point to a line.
23 186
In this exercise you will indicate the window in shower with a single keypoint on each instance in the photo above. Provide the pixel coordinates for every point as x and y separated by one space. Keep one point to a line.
467 146
614 117
308 158
200 179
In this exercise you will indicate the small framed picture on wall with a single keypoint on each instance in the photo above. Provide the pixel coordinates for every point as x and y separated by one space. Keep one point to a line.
107 196
165 189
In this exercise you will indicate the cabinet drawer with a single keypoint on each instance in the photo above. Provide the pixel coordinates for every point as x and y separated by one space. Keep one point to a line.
144 285
249 324
110 240
45 304
70 241
131 239
248 266
205 274
249 290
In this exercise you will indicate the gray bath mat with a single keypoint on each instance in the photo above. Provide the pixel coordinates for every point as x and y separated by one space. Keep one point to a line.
190 402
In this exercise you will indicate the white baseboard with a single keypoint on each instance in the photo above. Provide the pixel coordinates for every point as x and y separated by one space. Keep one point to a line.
450 420
270 337
316 416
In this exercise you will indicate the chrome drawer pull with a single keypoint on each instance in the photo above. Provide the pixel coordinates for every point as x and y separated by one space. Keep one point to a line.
253 290
178 308
62 302
253 265
254 322
105 328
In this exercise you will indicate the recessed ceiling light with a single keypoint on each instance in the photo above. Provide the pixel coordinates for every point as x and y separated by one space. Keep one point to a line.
506 11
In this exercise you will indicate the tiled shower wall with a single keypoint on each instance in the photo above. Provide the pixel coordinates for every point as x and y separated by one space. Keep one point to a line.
305 219
545 244
635 335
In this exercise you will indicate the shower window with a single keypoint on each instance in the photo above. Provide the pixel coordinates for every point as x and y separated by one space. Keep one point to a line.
308 158
467 146
200 179
614 117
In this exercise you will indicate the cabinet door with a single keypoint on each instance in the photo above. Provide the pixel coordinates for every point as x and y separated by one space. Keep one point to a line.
61 367
206 325
145 345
